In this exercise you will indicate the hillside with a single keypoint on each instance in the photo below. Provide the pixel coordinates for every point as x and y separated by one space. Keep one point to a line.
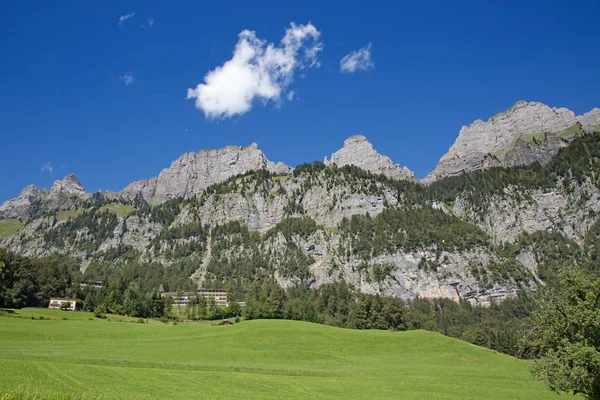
83 358
230 218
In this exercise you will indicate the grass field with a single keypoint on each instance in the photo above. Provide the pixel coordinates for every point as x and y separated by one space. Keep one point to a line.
10 226
82 358
67 214
121 210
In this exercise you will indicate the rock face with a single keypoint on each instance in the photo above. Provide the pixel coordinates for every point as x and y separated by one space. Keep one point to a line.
191 173
59 197
144 188
590 120
359 151
18 207
70 185
524 134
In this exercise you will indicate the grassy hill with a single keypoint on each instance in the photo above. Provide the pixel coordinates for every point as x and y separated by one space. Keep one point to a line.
83 357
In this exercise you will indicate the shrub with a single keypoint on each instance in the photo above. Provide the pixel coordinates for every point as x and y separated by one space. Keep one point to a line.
100 311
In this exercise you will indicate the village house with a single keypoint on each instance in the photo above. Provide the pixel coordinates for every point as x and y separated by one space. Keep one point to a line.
56 303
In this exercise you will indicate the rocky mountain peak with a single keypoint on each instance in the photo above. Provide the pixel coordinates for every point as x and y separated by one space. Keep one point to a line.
357 150
32 191
17 207
69 185
193 172
527 132
58 197
590 121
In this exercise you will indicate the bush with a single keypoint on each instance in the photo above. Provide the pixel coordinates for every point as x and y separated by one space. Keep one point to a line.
100 311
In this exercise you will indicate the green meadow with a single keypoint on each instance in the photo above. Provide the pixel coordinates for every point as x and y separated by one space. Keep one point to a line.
10 227
86 357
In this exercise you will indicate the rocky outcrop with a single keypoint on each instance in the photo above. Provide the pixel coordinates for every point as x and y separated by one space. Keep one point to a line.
145 188
63 195
504 217
18 207
359 151
68 186
590 121
326 207
193 172
524 134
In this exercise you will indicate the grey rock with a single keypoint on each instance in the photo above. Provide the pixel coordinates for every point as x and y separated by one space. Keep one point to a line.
193 172
68 186
517 210
590 121
145 187
359 151
18 207
64 195
525 133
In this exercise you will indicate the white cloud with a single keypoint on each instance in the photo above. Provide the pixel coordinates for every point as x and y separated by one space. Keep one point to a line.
258 70
125 17
150 22
47 167
128 78
357 60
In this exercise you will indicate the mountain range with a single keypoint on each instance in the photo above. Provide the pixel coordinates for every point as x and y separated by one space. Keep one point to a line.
476 228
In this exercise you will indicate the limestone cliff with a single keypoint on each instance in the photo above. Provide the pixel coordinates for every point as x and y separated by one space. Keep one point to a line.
360 152
193 172
18 207
63 195
528 132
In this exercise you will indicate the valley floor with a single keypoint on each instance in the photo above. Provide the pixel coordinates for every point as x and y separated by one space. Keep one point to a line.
84 357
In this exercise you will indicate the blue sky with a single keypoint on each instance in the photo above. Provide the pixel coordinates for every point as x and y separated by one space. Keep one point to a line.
64 97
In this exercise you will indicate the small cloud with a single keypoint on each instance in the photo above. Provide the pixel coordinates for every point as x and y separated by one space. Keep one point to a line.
290 95
257 70
128 78
47 167
148 24
357 60
125 17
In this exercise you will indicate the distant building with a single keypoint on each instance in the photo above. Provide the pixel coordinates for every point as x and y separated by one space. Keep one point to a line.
179 299
219 295
183 299
95 284
56 303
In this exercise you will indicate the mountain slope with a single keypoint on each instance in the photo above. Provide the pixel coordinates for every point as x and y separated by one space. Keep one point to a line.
230 217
